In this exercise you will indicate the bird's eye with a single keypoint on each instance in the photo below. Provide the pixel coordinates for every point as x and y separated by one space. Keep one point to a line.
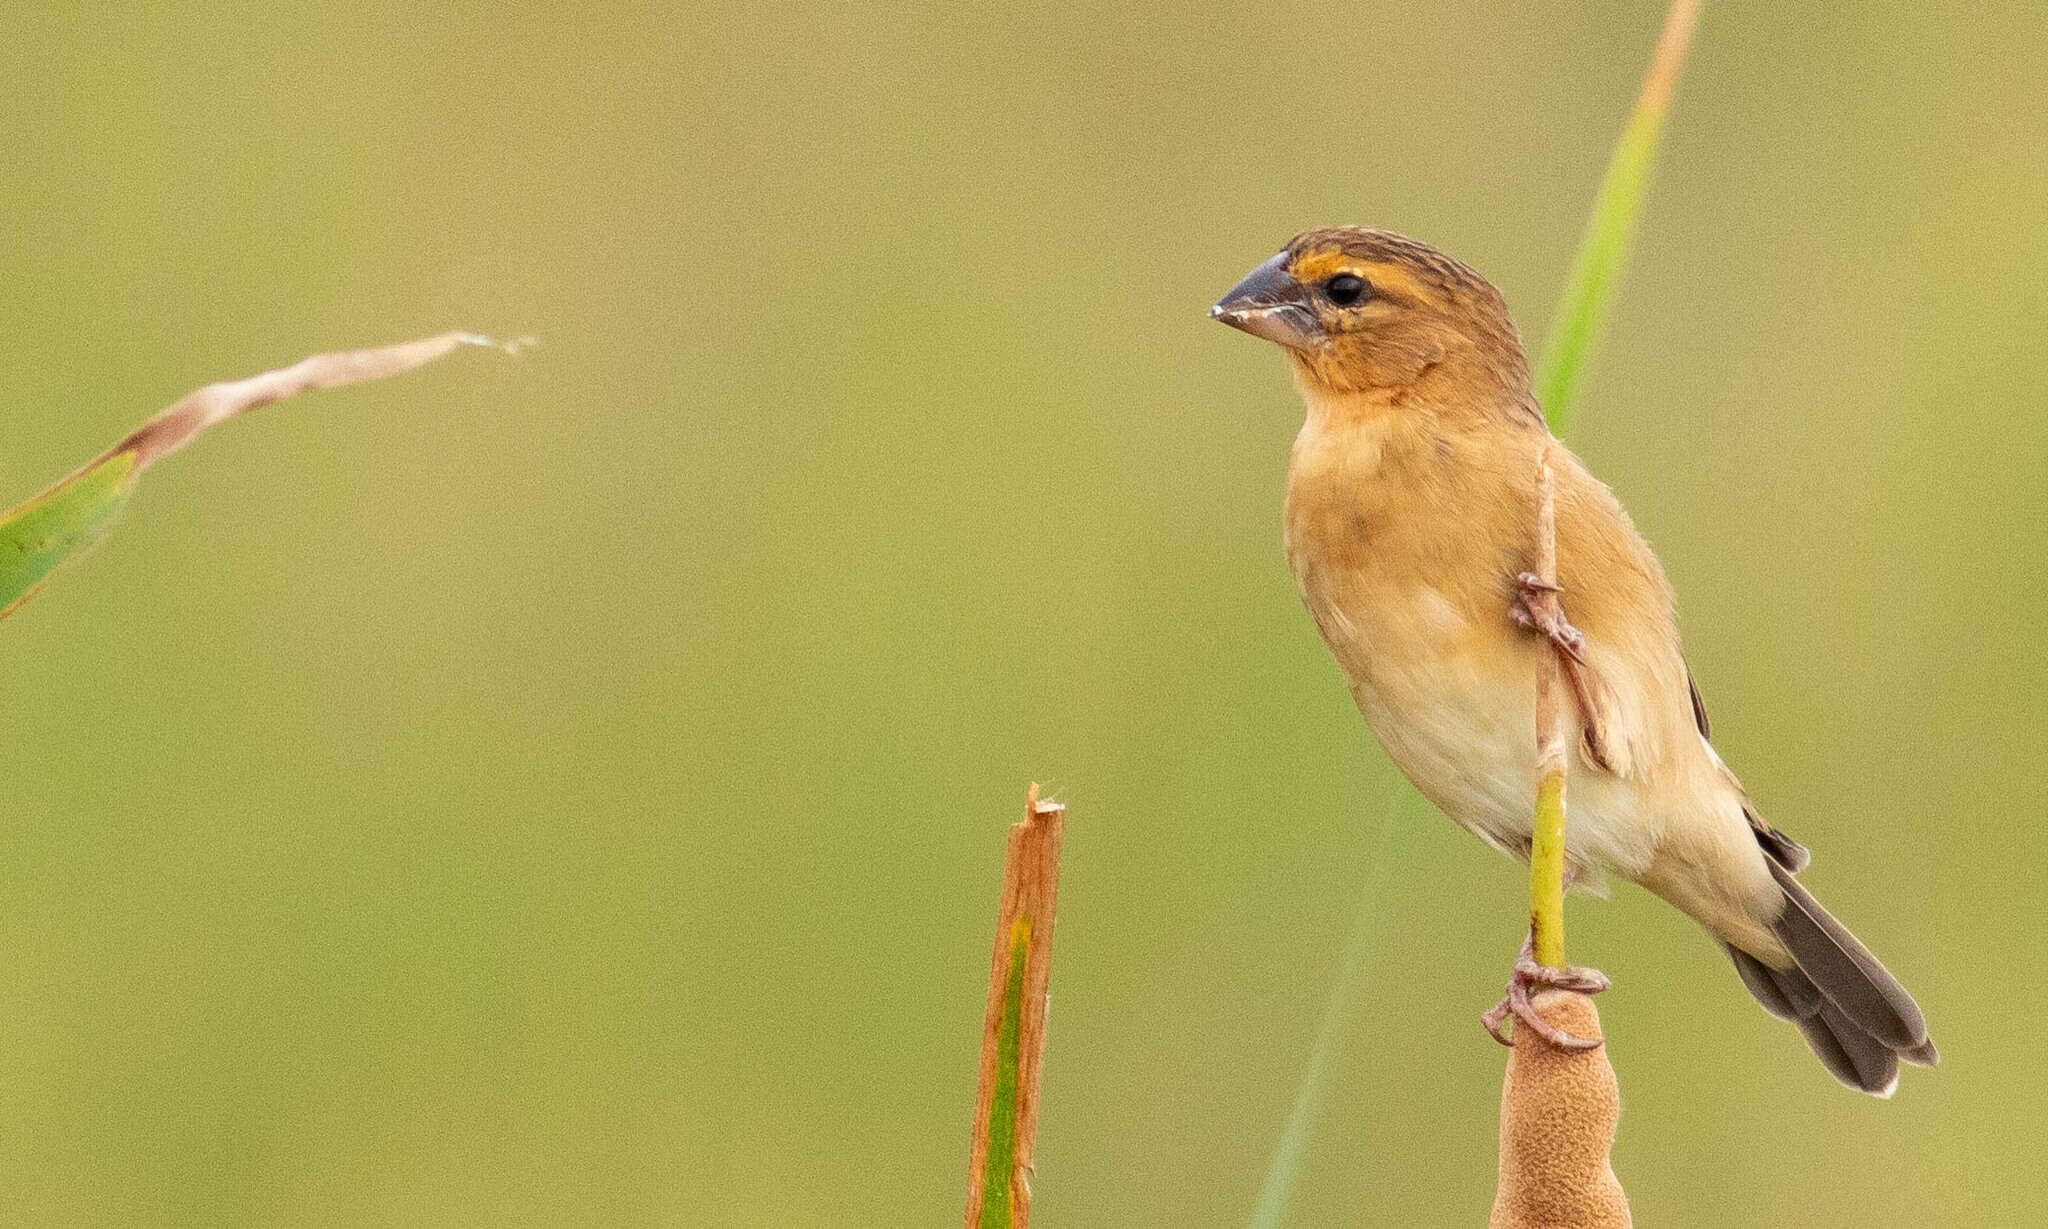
1346 289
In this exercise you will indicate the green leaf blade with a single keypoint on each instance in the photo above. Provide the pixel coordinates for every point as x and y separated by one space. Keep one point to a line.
42 535
998 1208
1603 250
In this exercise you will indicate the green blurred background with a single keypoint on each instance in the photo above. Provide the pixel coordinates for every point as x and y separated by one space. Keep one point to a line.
571 791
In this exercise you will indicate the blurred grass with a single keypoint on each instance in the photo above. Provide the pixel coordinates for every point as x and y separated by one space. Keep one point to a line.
1341 1010
1595 275
439 819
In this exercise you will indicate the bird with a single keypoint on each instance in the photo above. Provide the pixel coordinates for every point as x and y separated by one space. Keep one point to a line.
1410 519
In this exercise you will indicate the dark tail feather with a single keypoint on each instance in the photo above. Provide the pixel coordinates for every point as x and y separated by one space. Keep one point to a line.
1921 1055
1788 995
1855 1057
1857 1017
1845 971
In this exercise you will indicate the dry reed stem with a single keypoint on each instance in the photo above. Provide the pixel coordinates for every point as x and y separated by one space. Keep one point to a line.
1013 1033
177 425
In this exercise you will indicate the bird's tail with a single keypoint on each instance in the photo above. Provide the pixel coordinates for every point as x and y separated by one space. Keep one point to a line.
1857 1017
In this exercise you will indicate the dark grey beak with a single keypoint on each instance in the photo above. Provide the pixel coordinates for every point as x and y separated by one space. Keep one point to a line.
1269 303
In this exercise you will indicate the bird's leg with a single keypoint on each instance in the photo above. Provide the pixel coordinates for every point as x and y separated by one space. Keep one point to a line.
1529 977
1535 608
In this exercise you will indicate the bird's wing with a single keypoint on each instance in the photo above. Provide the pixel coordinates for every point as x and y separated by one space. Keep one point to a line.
1615 592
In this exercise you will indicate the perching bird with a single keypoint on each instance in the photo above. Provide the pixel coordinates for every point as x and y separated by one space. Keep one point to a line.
1411 521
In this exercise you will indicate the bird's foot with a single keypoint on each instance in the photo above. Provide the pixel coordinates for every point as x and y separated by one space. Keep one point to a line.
1535 608
1529 977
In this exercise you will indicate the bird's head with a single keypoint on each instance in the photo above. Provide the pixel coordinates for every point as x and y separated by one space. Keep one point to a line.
1363 310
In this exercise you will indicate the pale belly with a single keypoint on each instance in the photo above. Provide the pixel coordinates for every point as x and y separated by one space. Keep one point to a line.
1453 705
1411 596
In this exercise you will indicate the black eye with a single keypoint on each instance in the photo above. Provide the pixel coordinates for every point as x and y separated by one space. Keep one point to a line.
1346 289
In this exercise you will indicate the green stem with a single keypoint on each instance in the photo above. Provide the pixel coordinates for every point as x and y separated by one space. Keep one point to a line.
999 1172
1546 871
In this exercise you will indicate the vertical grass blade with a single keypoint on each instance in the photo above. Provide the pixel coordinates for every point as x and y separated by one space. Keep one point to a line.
65 521
1617 207
1340 1010
1013 1034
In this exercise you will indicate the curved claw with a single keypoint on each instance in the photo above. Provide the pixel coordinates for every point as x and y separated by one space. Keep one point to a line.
1527 977
1492 1019
1530 612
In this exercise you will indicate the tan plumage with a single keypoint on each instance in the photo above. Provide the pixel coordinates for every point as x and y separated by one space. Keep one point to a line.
1409 515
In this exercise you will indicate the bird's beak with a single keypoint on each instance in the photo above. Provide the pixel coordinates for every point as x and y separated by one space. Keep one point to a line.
1269 303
